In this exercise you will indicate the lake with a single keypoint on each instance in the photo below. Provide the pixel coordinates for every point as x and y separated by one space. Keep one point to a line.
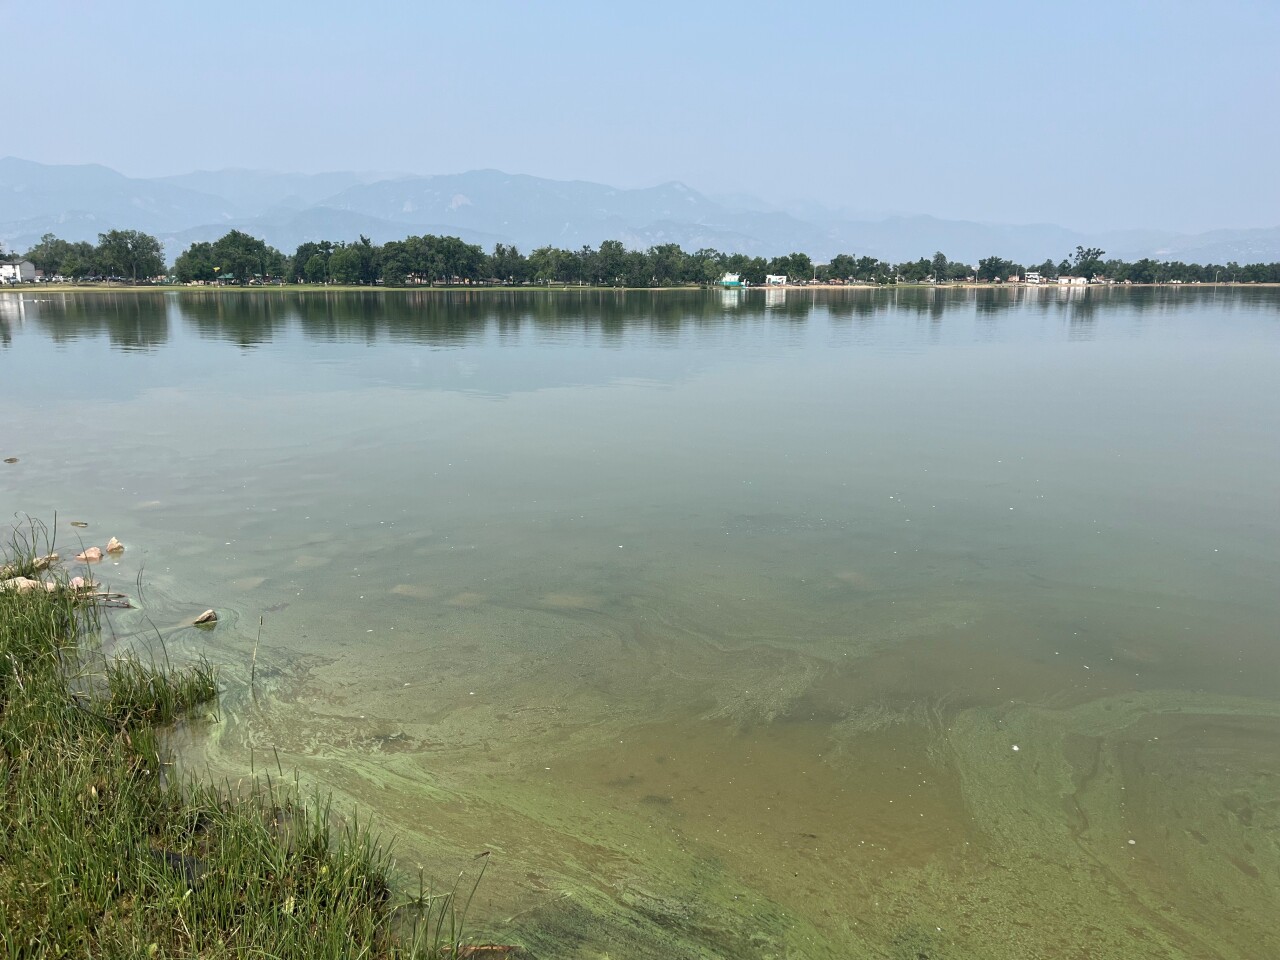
892 623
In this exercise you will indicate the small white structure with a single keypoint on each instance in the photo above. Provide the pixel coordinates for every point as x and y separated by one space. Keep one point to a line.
1072 281
1032 277
776 279
17 271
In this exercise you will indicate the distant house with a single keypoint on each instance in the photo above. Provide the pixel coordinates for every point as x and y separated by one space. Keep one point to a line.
1033 277
775 279
1072 281
17 271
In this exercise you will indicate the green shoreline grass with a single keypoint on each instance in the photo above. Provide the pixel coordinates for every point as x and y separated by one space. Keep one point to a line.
105 852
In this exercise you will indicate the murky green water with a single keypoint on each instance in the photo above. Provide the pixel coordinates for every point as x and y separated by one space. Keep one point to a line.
892 624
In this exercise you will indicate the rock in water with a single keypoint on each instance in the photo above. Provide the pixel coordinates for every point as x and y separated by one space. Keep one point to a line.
207 617
114 546
39 563
91 555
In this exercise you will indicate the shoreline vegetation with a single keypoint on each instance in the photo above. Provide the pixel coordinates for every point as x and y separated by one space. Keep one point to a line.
239 260
322 289
105 851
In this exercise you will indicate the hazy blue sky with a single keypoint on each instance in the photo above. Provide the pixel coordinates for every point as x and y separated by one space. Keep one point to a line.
1094 115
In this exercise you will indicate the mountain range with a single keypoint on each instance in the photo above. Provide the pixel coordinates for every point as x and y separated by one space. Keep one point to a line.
77 202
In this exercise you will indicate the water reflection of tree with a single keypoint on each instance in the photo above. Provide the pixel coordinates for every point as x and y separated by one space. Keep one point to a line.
1082 317
246 319
454 318
457 317
135 321
989 302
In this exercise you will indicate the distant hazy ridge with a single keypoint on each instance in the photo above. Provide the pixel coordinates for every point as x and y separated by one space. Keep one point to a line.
488 207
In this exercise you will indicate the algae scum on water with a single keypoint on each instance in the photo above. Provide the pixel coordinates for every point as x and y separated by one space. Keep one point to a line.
105 851
894 624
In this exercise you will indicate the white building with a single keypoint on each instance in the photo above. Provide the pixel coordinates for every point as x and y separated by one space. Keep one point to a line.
776 279
17 271
1032 277
1072 281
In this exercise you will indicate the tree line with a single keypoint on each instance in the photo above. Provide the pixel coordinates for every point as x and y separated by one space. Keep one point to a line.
119 254
240 258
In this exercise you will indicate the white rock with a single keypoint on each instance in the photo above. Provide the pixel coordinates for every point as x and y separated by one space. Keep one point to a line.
21 584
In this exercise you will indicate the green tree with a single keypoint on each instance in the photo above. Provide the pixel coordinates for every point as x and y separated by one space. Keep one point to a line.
316 269
1143 271
704 266
751 269
453 260
915 271
1086 261
361 262
344 265
869 268
80 262
610 263
796 267
995 268
637 269
242 257
195 263
547 264
301 259
47 255
842 267
508 264
397 261
57 257
129 253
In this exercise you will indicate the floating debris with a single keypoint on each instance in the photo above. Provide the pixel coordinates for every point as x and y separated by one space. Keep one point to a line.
108 599
78 523
10 459
207 618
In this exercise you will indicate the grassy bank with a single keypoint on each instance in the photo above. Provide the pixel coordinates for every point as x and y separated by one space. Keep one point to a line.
104 852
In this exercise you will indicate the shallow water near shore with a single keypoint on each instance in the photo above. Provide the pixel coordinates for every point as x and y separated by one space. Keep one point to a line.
882 623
